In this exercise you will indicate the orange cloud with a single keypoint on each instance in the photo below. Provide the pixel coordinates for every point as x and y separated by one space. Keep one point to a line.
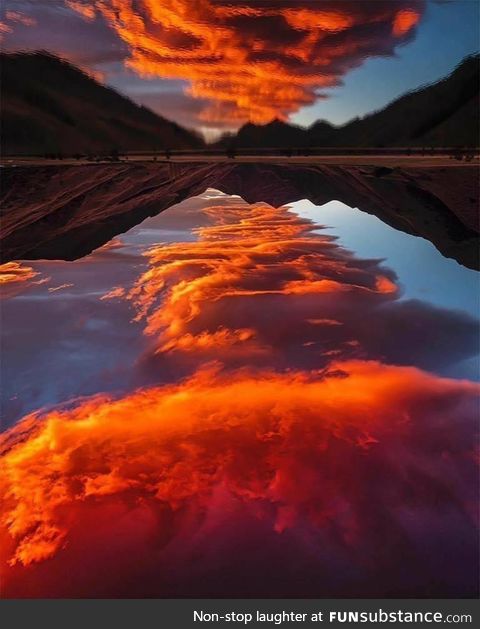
404 21
251 254
258 280
12 272
254 63
85 10
13 276
293 454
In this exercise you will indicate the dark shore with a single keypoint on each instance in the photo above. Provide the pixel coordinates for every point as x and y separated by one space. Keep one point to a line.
66 211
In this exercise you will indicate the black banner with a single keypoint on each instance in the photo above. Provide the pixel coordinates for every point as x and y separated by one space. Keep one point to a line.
219 613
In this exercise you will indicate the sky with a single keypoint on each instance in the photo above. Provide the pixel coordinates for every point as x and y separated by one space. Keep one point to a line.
214 65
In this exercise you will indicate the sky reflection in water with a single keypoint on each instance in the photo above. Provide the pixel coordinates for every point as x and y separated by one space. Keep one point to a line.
276 402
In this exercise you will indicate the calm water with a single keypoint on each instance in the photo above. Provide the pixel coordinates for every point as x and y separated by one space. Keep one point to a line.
77 327
243 388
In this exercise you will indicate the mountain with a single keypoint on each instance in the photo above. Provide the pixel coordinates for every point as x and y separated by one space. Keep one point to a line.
273 134
445 113
49 105
278 134
96 202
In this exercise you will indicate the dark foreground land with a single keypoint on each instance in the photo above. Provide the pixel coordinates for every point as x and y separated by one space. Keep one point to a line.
391 158
65 210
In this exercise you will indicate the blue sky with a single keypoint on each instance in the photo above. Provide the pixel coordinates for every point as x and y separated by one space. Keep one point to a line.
423 273
448 33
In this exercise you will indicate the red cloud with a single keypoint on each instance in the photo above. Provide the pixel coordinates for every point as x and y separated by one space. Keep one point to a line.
356 473
249 61
404 21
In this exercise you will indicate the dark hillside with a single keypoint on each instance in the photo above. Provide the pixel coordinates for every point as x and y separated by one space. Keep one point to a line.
49 105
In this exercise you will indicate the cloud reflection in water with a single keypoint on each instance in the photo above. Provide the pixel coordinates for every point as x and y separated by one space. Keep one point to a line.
297 444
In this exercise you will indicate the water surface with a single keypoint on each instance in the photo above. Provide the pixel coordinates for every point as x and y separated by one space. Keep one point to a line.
231 400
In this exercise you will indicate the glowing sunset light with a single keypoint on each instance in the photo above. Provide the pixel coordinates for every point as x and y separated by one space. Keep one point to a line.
13 272
252 62
404 21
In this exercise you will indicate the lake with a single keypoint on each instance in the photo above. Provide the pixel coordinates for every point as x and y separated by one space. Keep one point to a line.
232 399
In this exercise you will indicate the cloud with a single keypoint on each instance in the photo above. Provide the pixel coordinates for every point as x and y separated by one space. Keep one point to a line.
11 18
15 277
252 62
85 10
355 475
54 289
256 265
20 18
404 21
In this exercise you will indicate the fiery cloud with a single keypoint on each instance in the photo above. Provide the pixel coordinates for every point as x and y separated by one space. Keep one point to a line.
13 272
14 276
404 21
260 256
261 282
250 62
326 464
283 449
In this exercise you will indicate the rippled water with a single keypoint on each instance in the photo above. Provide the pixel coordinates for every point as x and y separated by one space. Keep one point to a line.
241 391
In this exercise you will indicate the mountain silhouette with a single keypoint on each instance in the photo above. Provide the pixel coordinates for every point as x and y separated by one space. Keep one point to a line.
445 113
49 105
